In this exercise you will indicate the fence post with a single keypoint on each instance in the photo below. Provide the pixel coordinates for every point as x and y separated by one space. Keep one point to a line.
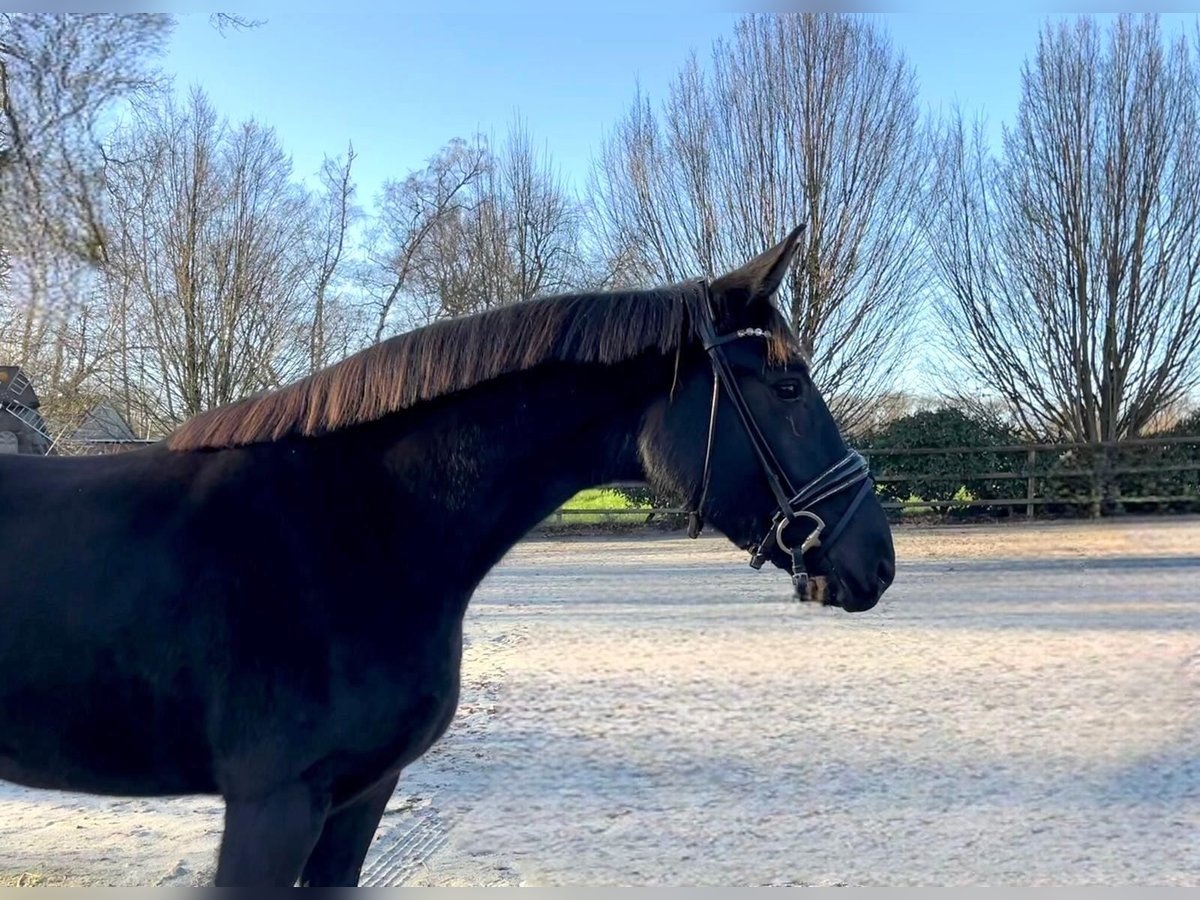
1031 483
1097 480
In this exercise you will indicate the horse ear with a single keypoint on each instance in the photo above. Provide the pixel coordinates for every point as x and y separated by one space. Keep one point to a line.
760 278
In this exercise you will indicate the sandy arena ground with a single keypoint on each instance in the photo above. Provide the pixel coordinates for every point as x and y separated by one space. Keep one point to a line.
1022 709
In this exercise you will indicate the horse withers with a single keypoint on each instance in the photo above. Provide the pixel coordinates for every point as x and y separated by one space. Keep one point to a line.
268 604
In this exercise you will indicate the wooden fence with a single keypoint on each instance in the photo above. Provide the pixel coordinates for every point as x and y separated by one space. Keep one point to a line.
1082 478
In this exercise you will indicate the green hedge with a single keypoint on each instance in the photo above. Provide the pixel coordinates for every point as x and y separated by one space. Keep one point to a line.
939 476
1068 480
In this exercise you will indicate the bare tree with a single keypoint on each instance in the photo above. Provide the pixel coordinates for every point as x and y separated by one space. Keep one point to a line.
541 220
61 333
1070 265
223 22
515 236
60 74
331 330
408 212
802 117
213 247
60 77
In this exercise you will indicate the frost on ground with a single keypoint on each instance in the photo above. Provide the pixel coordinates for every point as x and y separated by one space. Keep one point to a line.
1023 708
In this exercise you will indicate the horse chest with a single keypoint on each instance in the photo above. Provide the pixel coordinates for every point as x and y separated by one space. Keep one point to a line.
369 741
394 716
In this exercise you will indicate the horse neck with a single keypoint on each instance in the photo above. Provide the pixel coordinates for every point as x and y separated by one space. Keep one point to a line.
475 471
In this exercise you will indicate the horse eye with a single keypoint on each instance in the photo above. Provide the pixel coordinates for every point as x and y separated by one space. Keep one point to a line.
787 390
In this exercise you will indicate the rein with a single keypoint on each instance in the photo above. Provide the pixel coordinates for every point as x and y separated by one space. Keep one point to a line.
792 504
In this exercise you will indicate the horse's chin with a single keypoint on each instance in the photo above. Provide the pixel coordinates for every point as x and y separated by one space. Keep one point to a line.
815 590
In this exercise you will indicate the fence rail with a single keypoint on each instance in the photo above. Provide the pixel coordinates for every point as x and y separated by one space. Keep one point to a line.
1064 476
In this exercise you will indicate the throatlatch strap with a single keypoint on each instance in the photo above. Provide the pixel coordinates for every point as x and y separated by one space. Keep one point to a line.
695 518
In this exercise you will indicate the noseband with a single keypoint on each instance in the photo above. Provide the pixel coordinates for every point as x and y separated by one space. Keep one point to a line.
792 504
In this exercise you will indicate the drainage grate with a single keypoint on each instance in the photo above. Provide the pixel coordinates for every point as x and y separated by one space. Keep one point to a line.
403 848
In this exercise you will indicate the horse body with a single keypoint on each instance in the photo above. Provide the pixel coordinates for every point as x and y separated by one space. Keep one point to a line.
274 612
239 620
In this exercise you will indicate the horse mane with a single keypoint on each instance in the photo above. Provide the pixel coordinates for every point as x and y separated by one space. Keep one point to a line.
455 355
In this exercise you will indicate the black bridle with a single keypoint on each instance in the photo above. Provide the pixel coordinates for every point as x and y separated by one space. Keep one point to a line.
793 504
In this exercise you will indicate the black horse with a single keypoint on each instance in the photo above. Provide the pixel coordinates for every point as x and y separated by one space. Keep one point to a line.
268 604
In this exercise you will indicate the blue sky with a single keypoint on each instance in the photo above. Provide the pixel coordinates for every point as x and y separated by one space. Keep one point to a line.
400 85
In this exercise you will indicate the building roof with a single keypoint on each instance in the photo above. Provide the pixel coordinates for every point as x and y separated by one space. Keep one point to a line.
103 424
